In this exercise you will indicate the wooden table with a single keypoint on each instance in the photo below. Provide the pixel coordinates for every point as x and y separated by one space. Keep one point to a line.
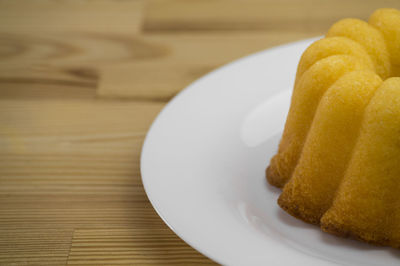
81 82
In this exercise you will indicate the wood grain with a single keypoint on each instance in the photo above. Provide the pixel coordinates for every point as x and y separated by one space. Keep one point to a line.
131 246
81 82
20 246
207 15
64 167
71 16
65 59
161 77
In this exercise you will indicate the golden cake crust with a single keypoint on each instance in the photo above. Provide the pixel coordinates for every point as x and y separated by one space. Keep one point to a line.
338 159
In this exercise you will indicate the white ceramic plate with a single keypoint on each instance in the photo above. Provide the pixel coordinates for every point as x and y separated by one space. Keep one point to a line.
203 166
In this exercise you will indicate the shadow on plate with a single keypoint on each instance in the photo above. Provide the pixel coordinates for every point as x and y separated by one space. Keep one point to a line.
333 240
273 190
347 242
291 221
354 244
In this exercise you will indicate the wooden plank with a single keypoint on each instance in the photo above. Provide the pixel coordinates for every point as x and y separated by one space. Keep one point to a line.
56 46
71 15
57 64
74 164
65 165
27 80
30 247
306 15
188 57
36 88
132 247
33 65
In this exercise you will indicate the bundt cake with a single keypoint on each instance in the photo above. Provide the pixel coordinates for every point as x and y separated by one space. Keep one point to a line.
338 161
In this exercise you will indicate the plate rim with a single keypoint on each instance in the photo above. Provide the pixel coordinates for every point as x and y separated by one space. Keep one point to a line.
160 116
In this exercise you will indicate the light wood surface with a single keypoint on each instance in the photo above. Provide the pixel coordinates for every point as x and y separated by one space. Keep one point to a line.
81 82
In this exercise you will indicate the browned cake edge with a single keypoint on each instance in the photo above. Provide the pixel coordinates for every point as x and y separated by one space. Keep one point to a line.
343 231
335 228
274 178
293 210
